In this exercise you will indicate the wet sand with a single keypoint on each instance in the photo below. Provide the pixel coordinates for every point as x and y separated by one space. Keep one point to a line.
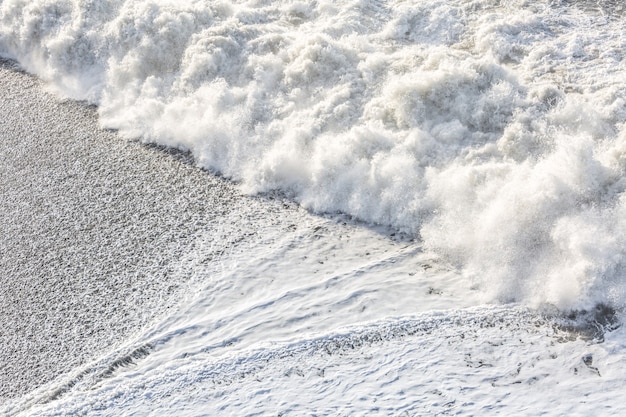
91 229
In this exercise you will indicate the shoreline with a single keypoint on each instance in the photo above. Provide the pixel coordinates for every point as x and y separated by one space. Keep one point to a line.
103 238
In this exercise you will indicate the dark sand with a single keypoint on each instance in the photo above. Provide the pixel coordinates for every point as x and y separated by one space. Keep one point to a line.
91 228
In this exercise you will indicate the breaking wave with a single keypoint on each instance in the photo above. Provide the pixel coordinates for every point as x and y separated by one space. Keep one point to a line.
492 130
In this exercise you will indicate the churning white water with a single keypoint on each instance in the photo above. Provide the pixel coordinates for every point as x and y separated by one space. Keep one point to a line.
493 130
490 135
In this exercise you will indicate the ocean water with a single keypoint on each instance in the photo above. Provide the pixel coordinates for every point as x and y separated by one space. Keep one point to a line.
426 210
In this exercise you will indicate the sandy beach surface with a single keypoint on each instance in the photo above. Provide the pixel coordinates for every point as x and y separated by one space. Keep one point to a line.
89 224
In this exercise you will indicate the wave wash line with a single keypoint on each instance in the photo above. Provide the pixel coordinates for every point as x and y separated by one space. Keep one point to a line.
497 138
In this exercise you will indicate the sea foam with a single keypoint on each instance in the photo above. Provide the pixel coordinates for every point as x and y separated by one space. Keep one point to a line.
493 131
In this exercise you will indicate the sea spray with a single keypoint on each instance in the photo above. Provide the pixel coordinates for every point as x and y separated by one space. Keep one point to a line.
492 130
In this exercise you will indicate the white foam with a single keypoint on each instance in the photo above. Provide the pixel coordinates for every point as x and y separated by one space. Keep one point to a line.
482 361
495 133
